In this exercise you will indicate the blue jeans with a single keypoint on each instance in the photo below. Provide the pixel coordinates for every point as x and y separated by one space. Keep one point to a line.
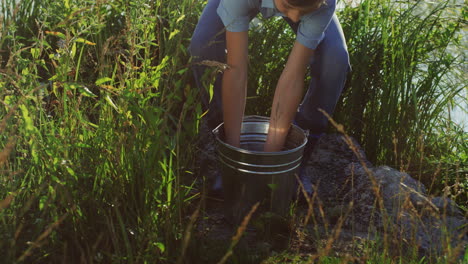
328 68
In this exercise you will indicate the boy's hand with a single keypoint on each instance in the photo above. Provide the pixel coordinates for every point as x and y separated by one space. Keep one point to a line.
288 94
235 85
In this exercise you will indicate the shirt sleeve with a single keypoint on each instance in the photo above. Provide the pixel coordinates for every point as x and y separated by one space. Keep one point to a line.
312 27
235 14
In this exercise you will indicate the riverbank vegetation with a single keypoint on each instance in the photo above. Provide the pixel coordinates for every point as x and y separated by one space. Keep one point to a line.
99 116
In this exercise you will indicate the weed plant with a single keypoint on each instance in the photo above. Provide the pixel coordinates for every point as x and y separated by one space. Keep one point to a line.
98 117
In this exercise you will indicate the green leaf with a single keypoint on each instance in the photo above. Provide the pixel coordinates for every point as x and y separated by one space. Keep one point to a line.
273 186
27 119
103 80
173 33
8 101
82 145
35 52
181 72
42 202
71 86
160 246
211 91
55 179
163 64
53 78
25 71
86 92
109 100
34 152
71 171
91 124
56 33
180 18
73 50
87 42
158 71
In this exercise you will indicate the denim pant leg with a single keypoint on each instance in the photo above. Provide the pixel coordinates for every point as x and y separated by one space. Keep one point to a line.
209 43
329 68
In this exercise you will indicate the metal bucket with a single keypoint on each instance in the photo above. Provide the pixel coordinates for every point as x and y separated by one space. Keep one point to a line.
251 175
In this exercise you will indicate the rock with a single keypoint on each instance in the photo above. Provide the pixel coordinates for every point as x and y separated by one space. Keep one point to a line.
410 213
397 187
446 206
327 165
384 198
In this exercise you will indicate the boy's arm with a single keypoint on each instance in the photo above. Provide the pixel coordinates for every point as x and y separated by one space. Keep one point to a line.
288 95
234 85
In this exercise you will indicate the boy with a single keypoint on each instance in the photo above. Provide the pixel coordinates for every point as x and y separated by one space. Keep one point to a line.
222 35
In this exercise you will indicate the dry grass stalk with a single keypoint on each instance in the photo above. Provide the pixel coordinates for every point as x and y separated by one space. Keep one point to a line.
38 242
6 202
188 233
406 204
7 150
238 235
299 230
308 199
351 145
220 67
375 185
26 206
334 237
322 214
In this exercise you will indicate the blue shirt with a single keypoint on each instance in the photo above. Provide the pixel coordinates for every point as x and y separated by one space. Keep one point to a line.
236 16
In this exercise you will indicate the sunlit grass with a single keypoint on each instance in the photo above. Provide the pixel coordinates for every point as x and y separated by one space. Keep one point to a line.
95 119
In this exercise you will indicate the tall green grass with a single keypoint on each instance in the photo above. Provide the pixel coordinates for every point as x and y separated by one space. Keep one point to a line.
98 116
401 86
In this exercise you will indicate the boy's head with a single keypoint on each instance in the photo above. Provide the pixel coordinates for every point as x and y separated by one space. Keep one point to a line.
294 9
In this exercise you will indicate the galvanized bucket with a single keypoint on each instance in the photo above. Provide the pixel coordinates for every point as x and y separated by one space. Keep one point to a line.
250 175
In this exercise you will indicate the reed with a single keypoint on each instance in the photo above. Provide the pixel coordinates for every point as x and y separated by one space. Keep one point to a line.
401 85
92 161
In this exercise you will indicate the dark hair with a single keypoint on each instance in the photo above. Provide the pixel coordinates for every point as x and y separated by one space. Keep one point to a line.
305 3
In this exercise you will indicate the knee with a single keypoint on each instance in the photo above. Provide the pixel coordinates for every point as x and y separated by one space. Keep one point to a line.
340 59
333 58
313 121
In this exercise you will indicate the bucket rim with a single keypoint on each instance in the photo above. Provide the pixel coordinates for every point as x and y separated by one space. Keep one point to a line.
215 131
263 166
262 173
